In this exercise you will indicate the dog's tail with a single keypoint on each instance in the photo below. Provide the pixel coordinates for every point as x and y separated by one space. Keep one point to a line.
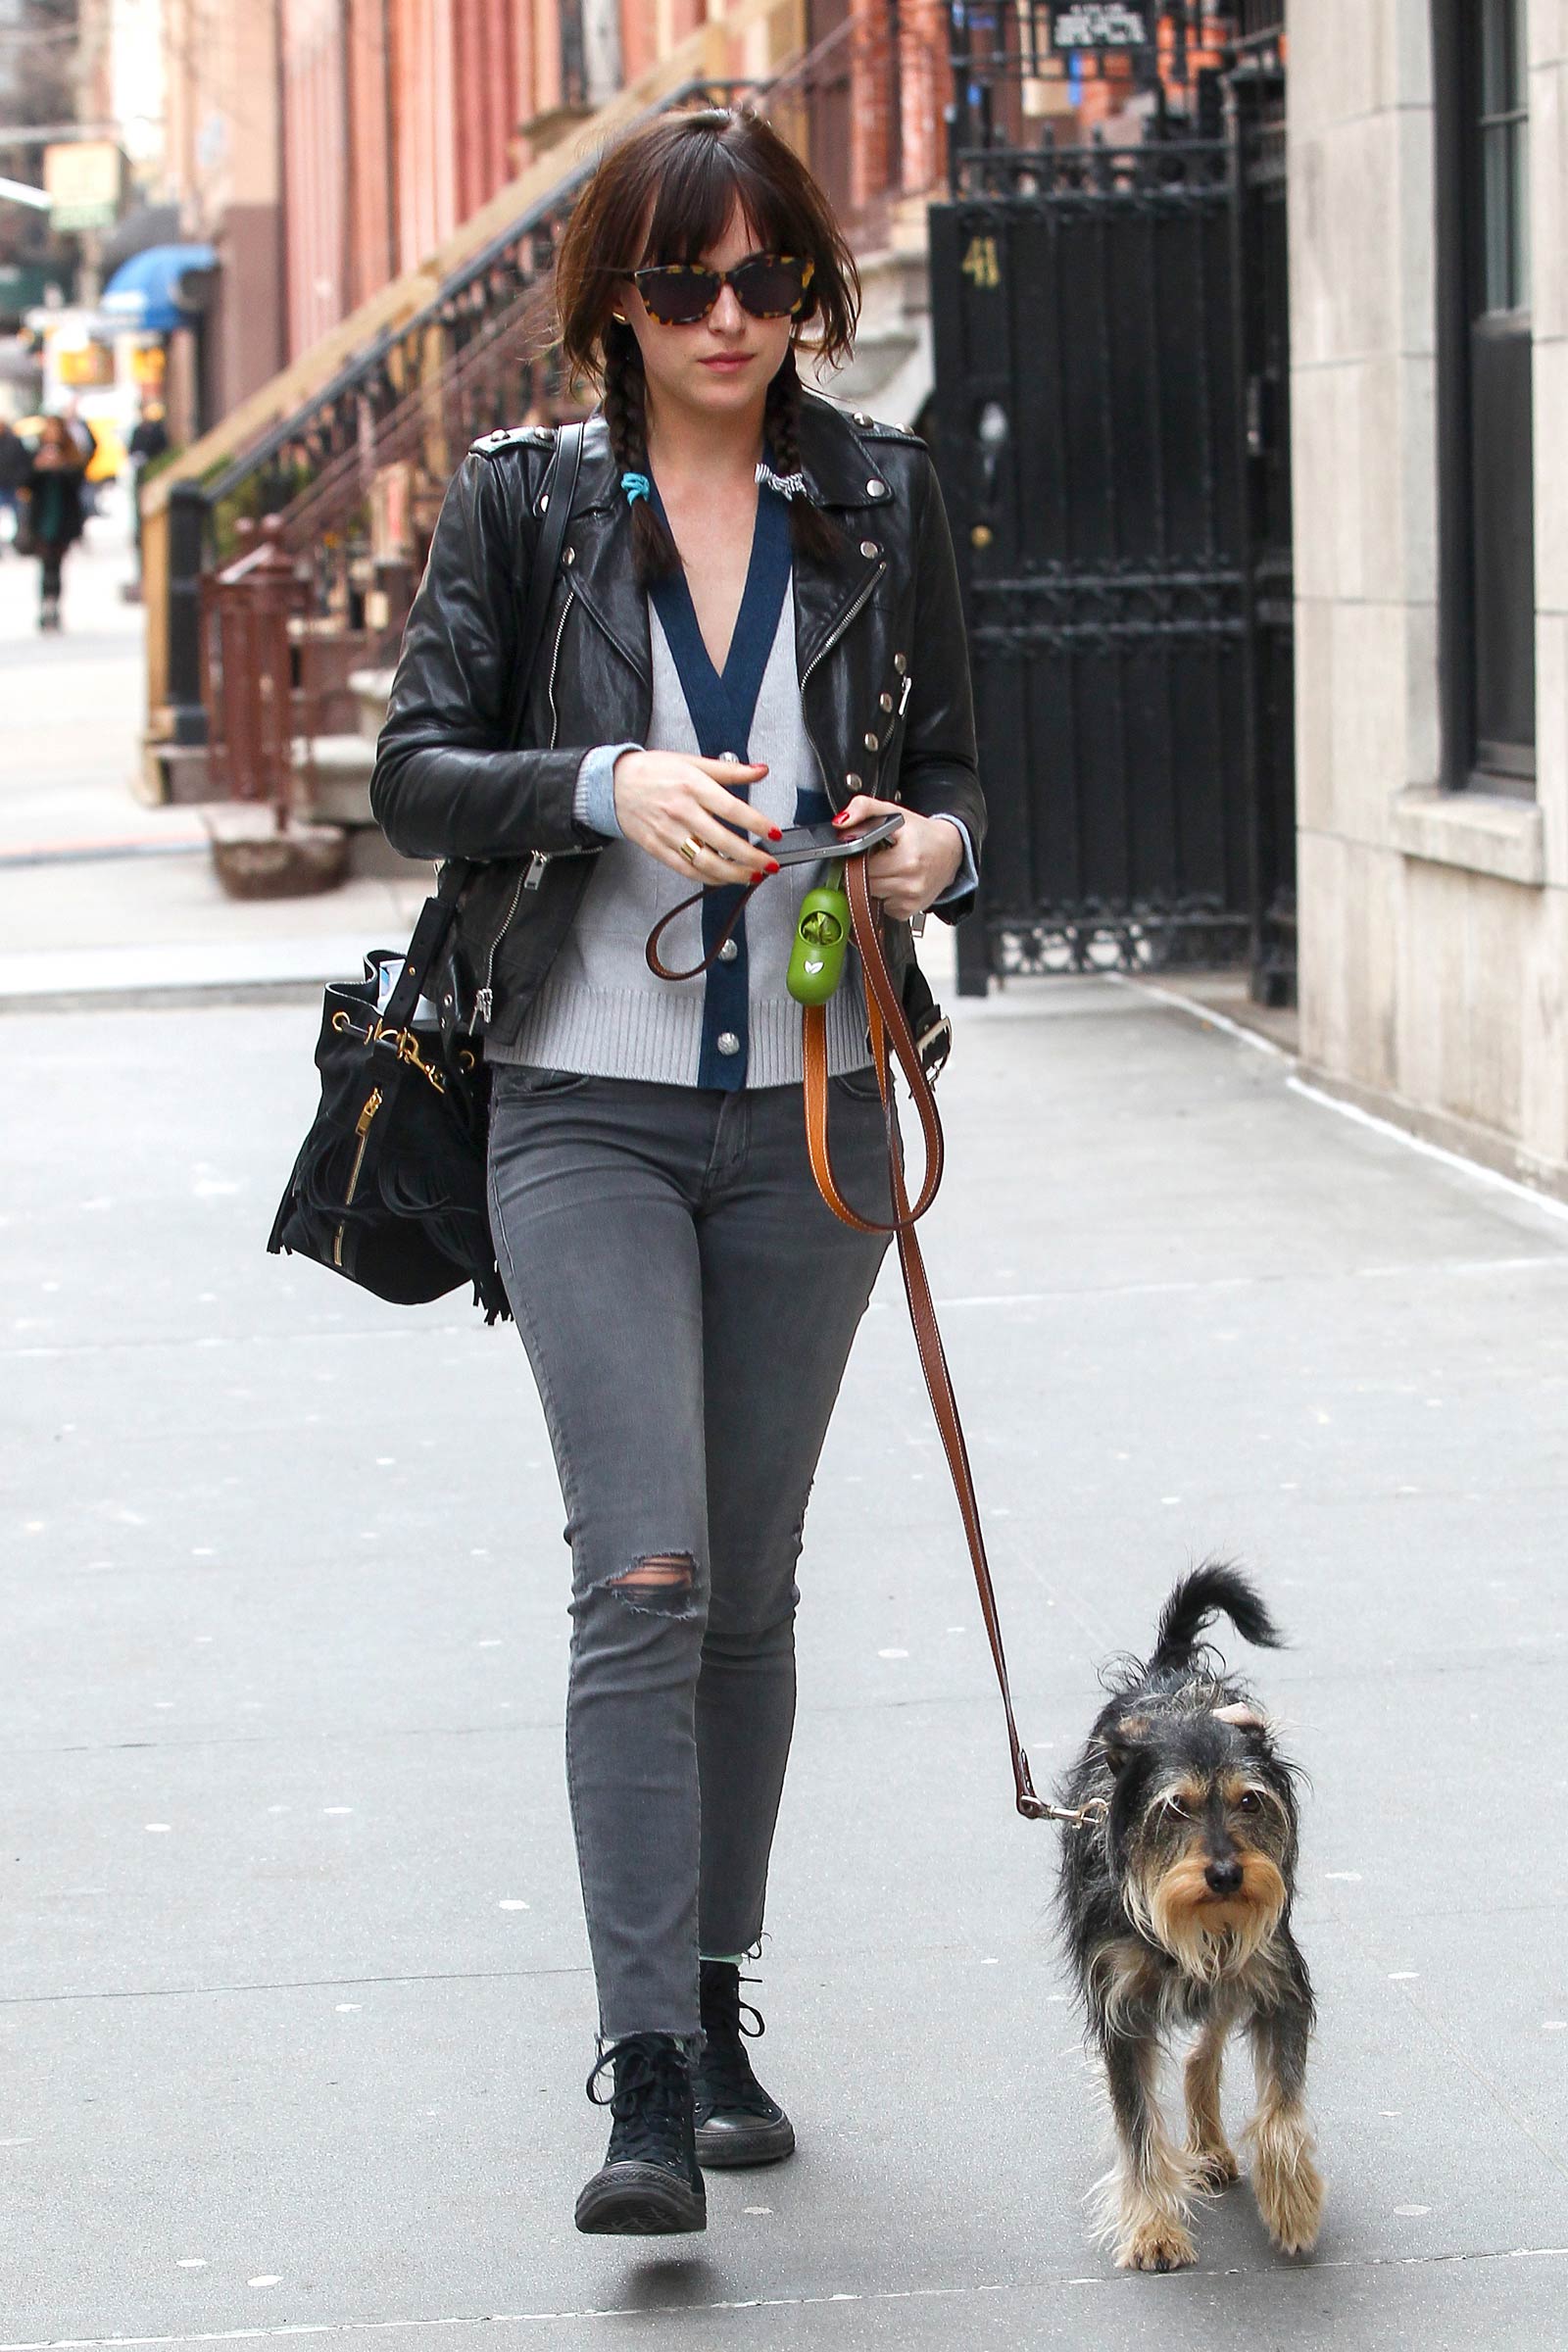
1214 1590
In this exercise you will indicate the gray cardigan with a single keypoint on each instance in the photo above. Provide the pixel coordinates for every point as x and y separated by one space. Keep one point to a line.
600 1009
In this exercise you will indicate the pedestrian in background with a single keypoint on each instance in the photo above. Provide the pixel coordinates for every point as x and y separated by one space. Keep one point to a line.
54 517
14 466
148 442
753 581
86 441
150 438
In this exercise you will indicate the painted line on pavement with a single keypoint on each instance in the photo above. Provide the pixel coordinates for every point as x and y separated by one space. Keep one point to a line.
513 2319
1492 1178
1127 2283
1353 1112
1200 1013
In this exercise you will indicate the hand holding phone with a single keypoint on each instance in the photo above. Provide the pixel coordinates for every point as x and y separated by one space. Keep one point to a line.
808 845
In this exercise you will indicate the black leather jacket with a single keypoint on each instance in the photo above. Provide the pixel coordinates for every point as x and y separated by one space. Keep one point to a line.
880 648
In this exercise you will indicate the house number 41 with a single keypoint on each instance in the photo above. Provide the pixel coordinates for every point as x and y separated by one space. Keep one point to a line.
979 264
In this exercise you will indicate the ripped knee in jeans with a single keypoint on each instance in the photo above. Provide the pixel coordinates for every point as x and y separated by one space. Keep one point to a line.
661 1585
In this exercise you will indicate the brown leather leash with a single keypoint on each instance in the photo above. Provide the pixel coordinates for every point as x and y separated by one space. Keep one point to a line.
891 1038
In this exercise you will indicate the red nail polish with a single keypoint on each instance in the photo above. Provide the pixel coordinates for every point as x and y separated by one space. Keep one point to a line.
774 833
772 865
842 819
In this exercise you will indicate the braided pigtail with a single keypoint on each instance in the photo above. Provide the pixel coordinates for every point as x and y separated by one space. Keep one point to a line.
812 532
654 555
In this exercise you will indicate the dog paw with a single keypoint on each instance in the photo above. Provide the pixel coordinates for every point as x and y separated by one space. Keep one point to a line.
1290 2198
1213 2168
1156 2244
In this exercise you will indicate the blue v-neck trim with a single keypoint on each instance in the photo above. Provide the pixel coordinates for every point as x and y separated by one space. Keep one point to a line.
723 704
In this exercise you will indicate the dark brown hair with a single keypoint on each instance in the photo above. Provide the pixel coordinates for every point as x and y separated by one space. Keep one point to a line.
665 192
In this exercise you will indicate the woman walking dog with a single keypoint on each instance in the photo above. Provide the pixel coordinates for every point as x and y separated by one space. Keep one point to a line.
756 626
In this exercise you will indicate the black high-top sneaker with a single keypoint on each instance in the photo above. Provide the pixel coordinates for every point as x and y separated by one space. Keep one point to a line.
649 2184
737 2123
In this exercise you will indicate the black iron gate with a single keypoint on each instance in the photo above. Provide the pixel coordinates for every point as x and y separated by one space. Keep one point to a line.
1111 437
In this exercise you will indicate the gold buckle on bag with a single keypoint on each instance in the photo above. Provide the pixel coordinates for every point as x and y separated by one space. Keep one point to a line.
407 1048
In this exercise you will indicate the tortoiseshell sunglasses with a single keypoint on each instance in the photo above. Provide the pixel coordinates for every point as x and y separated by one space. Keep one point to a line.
769 285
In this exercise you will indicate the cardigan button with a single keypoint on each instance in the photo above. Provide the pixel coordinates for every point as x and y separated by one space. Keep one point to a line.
727 1041
729 951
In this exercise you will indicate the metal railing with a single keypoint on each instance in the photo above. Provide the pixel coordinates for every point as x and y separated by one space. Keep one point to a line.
419 393
997 51
305 434
476 354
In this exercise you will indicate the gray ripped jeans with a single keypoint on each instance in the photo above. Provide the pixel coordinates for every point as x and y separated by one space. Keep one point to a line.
688 1304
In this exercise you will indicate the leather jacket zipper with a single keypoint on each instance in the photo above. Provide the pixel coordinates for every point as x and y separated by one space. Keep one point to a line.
823 650
554 663
534 872
484 998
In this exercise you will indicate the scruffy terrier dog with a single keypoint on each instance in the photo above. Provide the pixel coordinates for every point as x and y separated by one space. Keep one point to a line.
1175 1901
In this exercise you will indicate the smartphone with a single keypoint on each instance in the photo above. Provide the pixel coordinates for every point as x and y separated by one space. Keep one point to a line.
808 845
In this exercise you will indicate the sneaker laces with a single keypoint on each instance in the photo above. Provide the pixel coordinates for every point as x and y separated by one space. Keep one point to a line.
726 2080
649 2099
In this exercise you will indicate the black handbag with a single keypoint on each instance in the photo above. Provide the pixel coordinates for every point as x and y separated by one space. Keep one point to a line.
389 1186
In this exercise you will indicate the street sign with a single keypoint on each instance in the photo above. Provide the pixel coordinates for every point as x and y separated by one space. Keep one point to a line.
82 180
1098 24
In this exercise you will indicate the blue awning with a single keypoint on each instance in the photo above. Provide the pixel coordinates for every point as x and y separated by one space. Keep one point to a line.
149 291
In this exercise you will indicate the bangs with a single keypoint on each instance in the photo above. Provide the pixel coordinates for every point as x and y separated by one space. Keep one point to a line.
666 192
701 181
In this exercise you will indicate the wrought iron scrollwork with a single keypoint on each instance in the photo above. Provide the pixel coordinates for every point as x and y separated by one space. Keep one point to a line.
1109 611
1195 934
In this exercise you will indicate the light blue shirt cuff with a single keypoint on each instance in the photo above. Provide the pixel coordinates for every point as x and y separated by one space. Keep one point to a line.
593 799
968 877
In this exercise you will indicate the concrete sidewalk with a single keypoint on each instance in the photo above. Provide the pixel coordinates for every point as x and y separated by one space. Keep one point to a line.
296 2003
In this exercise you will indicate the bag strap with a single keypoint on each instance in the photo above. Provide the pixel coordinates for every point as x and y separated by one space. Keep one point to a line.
439 911
887 1023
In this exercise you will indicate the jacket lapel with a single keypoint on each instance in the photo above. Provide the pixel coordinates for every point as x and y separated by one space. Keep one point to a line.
601 575
841 477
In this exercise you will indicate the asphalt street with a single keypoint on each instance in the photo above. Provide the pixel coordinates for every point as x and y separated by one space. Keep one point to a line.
294 2006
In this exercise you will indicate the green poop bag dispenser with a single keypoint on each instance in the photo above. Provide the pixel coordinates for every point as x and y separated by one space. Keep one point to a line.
822 939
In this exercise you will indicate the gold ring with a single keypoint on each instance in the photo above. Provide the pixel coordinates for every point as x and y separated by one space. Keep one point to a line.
689 849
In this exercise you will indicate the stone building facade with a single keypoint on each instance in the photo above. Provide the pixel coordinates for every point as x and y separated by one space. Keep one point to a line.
1428 321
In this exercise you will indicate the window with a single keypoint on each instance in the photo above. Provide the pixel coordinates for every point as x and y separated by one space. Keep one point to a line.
1503 131
1485 423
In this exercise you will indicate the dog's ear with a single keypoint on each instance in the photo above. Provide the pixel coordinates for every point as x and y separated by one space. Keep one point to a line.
1119 1739
1243 1716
